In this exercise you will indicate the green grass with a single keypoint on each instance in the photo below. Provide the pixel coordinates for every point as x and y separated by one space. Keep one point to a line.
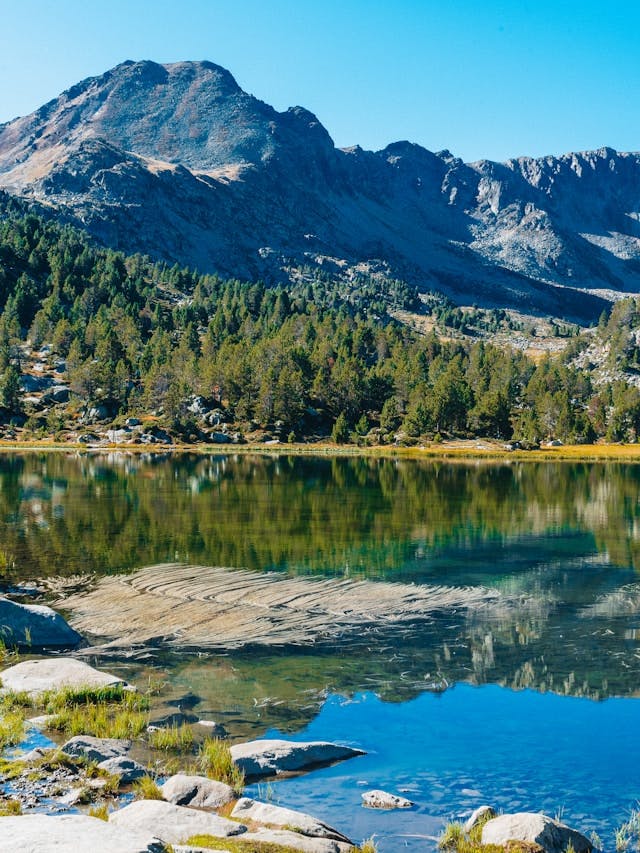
56 701
215 761
99 720
172 738
11 728
147 788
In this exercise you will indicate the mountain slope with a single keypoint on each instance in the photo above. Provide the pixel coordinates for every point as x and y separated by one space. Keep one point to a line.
176 161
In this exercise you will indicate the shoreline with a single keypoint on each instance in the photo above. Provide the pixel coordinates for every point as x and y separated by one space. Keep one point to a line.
448 451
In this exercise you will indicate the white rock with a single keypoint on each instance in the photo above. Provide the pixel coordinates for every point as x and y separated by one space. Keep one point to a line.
384 800
268 757
96 748
477 815
38 833
196 791
35 676
552 836
34 625
251 810
173 824
298 842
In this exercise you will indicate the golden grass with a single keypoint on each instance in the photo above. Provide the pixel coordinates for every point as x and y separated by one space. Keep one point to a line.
147 788
216 762
171 738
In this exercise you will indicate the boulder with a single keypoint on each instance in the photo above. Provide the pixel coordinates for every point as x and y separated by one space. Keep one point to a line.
35 676
294 840
34 626
126 768
481 813
46 834
173 824
270 757
277 816
96 748
552 836
198 791
384 800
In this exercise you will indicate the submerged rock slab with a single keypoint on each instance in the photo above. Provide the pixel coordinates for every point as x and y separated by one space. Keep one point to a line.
277 816
36 676
46 834
196 791
270 757
552 836
34 626
173 824
206 607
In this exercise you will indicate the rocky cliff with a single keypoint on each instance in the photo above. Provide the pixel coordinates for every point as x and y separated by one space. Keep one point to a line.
178 162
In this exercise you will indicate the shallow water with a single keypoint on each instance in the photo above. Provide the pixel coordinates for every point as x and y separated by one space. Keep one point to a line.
542 731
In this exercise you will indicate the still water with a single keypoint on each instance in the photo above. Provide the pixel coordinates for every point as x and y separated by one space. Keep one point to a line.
530 707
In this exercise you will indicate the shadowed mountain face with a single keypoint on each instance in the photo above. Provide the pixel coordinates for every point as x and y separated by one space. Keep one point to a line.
176 161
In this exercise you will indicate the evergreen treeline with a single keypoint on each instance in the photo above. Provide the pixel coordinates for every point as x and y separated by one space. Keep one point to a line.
141 337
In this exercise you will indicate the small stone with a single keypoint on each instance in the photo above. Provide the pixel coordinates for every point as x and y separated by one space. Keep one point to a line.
196 791
36 676
269 757
277 816
126 768
552 836
96 748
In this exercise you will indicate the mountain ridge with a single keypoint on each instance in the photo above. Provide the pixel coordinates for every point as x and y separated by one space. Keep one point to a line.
178 162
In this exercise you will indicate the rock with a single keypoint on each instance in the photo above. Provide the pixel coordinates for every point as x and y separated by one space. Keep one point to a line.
126 768
34 754
552 836
35 676
46 834
384 800
196 791
252 810
96 748
294 840
173 823
41 722
476 816
268 757
215 729
34 625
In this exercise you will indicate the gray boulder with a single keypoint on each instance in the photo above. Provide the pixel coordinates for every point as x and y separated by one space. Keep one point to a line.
269 757
173 824
35 676
96 748
384 800
126 768
552 836
277 816
39 833
294 840
197 791
482 812
34 625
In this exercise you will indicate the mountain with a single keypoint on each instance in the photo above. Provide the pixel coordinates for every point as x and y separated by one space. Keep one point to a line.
178 162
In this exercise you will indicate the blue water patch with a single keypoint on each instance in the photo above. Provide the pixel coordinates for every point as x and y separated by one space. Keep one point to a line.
450 752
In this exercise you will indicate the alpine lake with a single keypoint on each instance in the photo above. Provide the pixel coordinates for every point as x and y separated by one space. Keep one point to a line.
534 706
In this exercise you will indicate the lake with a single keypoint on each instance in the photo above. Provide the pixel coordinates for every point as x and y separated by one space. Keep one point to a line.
530 707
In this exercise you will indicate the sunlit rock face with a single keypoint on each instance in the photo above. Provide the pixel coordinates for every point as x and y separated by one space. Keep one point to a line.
177 161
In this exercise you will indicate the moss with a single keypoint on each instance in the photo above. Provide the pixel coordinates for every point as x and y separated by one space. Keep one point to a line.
237 845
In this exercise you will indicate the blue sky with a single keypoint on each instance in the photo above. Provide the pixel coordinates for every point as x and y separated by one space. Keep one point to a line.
484 79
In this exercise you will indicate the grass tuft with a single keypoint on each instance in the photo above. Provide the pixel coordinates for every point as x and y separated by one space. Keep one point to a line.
172 738
215 761
101 812
147 788
10 808
11 728
237 845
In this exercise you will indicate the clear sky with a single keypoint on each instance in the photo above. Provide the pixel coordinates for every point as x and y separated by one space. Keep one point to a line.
482 78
